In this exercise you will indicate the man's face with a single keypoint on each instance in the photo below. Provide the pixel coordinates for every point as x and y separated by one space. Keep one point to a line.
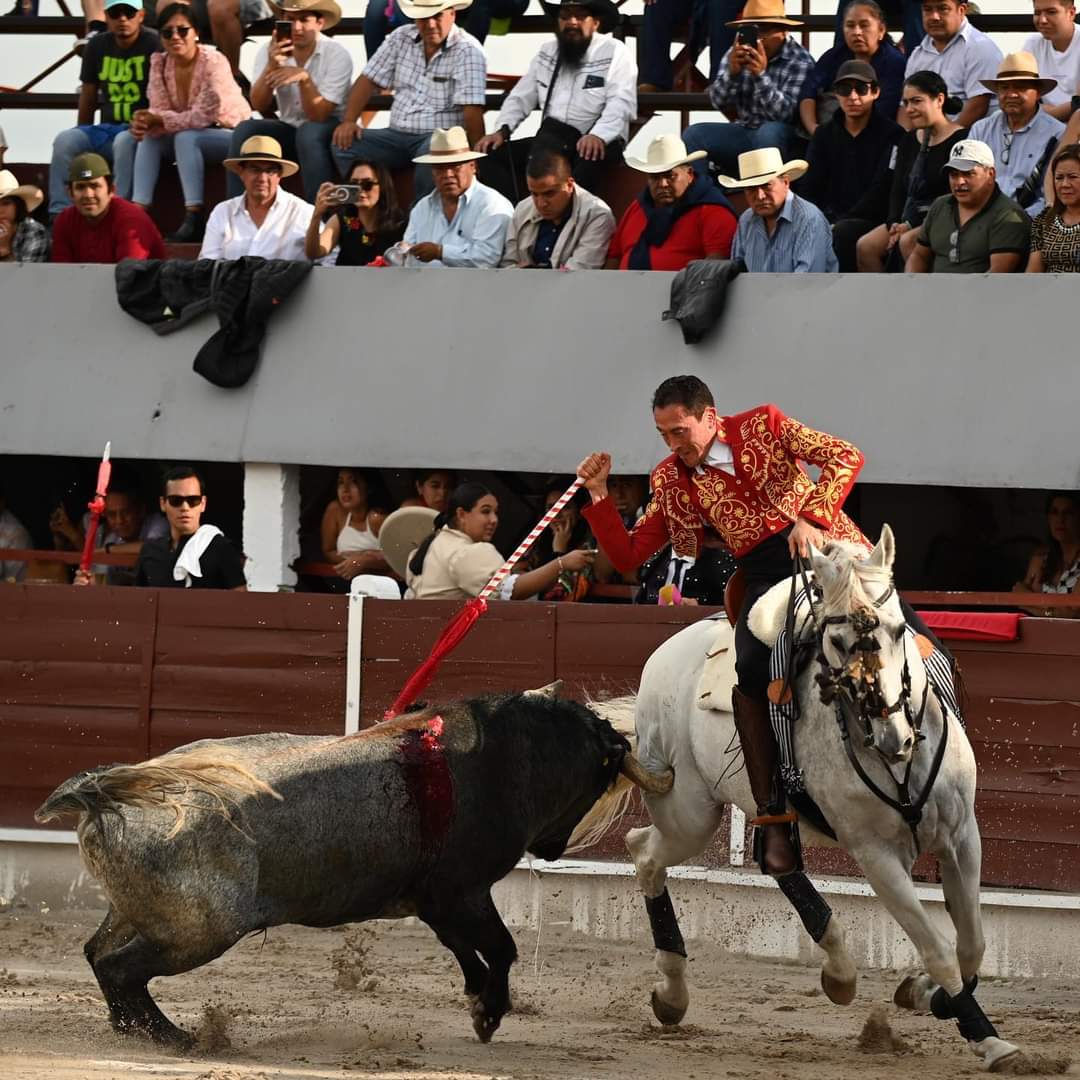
1018 100
687 435
942 19
551 195
124 22
305 27
91 197
9 210
772 39
767 200
972 188
124 515
434 28
627 493
669 186
574 31
856 97
452 180
261 180
184 518
1054 18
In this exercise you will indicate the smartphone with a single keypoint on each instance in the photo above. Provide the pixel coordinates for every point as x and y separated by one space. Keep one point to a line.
344 194
283 30
748 35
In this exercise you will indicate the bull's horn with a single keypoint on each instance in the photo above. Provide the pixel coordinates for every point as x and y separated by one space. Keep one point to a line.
550 691
653 783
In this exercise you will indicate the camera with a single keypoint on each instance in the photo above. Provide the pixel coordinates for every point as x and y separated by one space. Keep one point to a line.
342 194
748 35
283 30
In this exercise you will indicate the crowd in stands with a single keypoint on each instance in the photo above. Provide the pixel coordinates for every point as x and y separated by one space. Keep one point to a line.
937 154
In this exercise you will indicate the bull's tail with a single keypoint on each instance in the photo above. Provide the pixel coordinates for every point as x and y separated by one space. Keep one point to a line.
168 782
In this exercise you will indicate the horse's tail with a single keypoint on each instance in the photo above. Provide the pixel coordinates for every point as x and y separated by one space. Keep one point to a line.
166 782
611 807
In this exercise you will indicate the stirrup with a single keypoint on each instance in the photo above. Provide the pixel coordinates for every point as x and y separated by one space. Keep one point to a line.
790 819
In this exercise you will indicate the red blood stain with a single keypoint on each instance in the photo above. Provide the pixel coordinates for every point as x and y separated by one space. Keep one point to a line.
430 783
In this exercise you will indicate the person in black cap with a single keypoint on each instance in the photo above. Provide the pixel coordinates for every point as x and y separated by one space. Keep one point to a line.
585 85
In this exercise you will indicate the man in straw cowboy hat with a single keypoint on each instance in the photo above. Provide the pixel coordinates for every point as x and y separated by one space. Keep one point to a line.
1056 48
22 239
305 79
585 85
757 87
679 217
462 222
780 233
438 73
266 220
1021 134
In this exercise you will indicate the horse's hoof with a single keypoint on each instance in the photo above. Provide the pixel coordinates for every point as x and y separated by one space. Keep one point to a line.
666 1013
838 991
996 1053
484 1024
914 993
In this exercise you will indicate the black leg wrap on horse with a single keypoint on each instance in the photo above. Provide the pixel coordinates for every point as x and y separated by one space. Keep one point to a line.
966 1011
807 902
665 927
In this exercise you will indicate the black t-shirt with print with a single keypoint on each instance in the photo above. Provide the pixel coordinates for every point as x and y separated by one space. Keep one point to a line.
221 565
122 75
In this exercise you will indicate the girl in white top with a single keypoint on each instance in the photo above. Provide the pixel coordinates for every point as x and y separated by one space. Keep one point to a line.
1055 567
458 559
350 531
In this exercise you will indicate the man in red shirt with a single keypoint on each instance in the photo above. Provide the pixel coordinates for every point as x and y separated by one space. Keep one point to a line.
101 227
679 217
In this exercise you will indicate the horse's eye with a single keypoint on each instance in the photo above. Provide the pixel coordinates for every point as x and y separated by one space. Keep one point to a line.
898 633
837 642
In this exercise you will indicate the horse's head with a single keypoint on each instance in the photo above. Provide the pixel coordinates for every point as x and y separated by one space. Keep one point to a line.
863 647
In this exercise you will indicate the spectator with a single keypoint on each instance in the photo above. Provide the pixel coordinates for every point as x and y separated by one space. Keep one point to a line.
960 54
350 527
903 196
229 19
13 536
908 12
305 79
1021 135
127 527
433 487
679 217
265 220
193 555
101 227
780 233
1055 233
362 229
458 559
569 531
194 104
22 239
865 39
629 494
116 69
585 85
849 155
758 87
438 73
708 22
976 228
1055 567
560 224
462 222
1056 48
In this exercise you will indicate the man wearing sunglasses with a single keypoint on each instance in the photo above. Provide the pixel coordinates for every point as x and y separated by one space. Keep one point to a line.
116 69
193 556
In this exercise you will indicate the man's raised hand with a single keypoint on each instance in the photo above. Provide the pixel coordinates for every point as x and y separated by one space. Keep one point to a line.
594 471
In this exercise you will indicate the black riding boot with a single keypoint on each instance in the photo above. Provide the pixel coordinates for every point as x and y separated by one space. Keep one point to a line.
774 822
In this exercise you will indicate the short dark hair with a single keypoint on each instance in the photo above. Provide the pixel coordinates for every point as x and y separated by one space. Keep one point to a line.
547 161
172 10
21 213
685 390
181 472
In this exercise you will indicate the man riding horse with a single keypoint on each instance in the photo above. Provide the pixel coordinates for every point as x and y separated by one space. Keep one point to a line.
739 477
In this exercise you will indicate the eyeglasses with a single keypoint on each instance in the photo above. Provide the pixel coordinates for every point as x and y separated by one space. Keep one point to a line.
1007 140
844 89
176 501
261 168
954 246
176 31
367 185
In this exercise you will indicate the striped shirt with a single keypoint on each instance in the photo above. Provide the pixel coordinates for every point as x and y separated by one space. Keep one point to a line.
801 243
429 95
772 95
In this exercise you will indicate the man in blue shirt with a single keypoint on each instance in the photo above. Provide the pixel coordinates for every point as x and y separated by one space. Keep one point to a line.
780 233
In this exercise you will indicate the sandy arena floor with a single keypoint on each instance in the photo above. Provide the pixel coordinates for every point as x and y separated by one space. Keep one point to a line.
385 1000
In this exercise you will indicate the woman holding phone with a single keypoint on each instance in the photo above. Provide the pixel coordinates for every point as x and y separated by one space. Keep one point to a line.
365 222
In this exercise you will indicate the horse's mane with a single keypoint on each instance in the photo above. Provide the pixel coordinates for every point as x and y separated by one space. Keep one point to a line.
856 585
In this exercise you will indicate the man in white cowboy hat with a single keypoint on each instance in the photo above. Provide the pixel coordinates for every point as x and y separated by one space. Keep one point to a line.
22 239
585 85
976 229
305 79
266 220
780 233
462 222
438 73
679 217
960 54
757 86
1056 48
1021 134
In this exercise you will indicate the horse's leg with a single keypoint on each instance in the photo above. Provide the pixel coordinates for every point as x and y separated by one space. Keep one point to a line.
838 972
961 870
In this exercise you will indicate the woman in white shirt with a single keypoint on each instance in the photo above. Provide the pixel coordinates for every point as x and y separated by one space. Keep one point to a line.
458 559
350 528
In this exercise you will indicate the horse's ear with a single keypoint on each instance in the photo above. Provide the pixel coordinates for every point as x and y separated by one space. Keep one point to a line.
825 570
884 552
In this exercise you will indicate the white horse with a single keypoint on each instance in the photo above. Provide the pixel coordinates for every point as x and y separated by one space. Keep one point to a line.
678 730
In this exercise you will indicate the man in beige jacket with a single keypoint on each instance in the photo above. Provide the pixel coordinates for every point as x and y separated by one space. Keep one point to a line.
560 226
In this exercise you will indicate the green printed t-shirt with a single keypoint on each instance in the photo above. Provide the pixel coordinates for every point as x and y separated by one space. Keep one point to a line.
121 74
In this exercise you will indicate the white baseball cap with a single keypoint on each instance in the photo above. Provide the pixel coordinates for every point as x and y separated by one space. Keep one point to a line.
968 153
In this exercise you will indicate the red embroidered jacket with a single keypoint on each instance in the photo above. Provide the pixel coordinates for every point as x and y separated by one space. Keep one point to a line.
767 493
